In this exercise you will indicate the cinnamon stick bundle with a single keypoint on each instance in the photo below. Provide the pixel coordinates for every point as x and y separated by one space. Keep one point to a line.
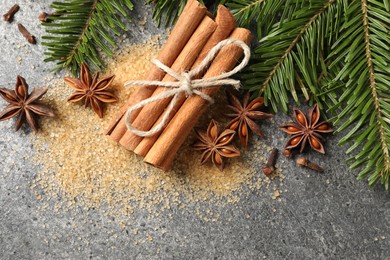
225 24
164 150
150 113
188 21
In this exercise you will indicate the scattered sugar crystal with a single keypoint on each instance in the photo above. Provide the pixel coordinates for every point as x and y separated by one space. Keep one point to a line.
81 167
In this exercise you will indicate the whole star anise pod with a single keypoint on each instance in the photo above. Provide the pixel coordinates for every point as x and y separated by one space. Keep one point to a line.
215 144
24 105
306 129
244 116
91 90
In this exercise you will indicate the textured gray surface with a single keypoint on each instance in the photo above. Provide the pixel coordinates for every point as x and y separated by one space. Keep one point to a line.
321 216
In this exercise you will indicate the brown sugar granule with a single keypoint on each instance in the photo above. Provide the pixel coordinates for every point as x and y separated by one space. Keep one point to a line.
81 167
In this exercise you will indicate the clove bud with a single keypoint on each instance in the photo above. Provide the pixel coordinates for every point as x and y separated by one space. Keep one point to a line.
304 162
43 17
30 38
269 167
287 153
9 16
46 17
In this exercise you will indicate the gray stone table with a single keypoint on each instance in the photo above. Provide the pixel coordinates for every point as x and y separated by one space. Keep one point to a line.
321 216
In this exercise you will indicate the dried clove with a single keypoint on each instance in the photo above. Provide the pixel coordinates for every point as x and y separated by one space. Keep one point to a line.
46 17
9 16
304 162
287 153
30 38
43 17
269 167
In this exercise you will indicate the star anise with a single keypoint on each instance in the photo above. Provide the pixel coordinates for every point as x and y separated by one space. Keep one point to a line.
215 144
244 116
91 90
306 129
24 105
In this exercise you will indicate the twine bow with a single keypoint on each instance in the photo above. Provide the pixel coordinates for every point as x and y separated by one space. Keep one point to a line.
185 84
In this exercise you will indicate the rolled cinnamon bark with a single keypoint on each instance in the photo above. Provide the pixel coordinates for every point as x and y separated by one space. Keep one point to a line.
225 25
192 15
164 150
150 113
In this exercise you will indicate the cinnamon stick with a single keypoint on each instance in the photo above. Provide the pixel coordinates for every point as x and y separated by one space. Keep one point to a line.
151 112
188 21
225 24
164 150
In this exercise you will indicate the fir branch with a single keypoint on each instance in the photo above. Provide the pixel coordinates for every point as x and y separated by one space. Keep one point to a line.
289 54
258 14
245 10
166 12
365 54
80 29
373 86
291 46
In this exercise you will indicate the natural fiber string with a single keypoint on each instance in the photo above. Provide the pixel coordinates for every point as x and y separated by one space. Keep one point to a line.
185 84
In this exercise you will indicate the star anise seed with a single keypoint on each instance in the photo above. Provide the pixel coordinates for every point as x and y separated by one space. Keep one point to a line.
91 90
306 129
244 116
215 145
24 105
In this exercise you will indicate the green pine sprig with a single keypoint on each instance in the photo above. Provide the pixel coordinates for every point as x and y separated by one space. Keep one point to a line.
166 12
364 51
292 52
80 29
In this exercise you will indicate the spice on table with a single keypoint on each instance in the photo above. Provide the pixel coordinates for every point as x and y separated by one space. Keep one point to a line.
225 22
244 116
45 17
164 150
91 90
9 16
269 167
88 171
304 162
215 144
24 105
30 38
150 113
192 15
288 153
306 129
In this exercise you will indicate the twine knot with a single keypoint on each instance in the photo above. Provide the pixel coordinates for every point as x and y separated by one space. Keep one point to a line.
186 84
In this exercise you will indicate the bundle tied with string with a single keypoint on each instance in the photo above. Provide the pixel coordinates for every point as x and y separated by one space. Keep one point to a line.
186 84
200 55
220 65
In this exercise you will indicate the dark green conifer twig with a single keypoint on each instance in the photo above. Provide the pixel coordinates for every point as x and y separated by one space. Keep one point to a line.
80 29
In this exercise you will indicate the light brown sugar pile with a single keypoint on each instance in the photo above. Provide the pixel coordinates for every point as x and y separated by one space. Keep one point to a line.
81 167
